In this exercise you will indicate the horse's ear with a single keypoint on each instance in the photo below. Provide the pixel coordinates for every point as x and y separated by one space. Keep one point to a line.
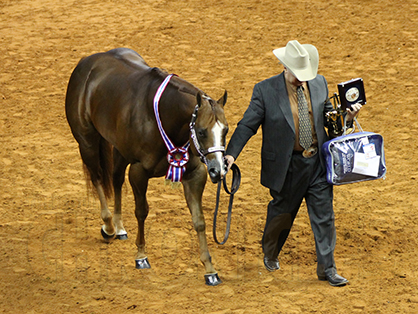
222 100
199 99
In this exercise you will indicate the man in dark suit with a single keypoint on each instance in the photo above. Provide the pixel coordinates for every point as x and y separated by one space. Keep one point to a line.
290 108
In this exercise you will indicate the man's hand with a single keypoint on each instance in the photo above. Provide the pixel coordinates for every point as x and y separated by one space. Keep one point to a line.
353 112
229 160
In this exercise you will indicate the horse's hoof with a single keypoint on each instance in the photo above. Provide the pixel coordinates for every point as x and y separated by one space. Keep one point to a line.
212 279
142 263
107 237
123 236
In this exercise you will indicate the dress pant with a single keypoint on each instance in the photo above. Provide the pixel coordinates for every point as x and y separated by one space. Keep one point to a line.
306 178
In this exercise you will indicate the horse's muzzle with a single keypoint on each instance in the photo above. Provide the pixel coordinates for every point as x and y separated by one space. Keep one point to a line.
215 174
216 170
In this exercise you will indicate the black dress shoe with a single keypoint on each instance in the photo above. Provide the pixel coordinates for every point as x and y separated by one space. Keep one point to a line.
334 280
271 264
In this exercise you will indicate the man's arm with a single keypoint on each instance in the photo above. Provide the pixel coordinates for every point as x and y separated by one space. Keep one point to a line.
247 127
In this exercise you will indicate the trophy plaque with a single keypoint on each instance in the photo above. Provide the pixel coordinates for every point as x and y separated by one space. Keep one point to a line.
351 92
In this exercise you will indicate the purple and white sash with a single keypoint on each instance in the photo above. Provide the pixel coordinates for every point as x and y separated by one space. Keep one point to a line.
177 157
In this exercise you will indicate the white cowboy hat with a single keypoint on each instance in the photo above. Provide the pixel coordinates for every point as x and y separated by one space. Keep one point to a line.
301 60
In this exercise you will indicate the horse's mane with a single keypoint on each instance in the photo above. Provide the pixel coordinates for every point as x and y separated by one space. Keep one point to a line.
182 85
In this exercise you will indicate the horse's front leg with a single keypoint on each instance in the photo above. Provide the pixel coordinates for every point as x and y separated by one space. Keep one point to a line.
194 185
139 182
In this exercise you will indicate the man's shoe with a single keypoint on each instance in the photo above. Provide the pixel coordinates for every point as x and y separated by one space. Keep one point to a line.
334 280
271 264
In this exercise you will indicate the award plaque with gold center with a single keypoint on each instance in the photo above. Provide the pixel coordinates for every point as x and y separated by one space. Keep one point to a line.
351 92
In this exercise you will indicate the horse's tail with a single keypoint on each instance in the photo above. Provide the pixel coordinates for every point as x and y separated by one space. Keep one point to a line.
105 169
106 164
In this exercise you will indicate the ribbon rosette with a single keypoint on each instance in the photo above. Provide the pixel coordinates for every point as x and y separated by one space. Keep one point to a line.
177 158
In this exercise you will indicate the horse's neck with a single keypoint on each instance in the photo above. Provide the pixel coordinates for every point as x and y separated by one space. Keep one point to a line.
176 113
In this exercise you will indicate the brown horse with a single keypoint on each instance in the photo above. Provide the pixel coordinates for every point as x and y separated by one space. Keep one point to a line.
116 117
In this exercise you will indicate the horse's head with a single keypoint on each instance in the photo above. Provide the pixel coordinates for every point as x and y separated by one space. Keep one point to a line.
208 131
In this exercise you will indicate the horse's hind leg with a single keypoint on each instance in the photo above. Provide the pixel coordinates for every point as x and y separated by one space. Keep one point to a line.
119 168
139 182
194 185
95 154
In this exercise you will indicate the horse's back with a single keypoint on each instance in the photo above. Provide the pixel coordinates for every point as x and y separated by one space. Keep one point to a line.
102 70
113 61
130 57
126 55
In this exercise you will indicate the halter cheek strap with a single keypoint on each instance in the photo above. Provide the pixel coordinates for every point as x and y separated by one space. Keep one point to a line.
202 152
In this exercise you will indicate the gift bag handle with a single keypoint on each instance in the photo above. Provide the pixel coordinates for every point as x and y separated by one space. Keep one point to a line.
360 129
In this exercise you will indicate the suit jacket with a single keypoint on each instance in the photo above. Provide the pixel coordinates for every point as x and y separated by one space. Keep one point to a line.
270 108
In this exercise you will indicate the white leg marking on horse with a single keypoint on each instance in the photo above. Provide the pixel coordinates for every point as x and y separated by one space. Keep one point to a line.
217 131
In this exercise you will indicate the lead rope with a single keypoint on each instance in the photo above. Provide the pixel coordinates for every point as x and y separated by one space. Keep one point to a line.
236 181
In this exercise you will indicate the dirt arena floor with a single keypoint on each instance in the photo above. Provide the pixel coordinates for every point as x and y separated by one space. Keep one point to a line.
52 259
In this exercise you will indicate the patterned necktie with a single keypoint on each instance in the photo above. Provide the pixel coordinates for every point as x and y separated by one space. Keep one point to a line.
305 128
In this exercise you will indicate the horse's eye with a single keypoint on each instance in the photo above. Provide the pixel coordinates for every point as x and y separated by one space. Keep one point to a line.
202 133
